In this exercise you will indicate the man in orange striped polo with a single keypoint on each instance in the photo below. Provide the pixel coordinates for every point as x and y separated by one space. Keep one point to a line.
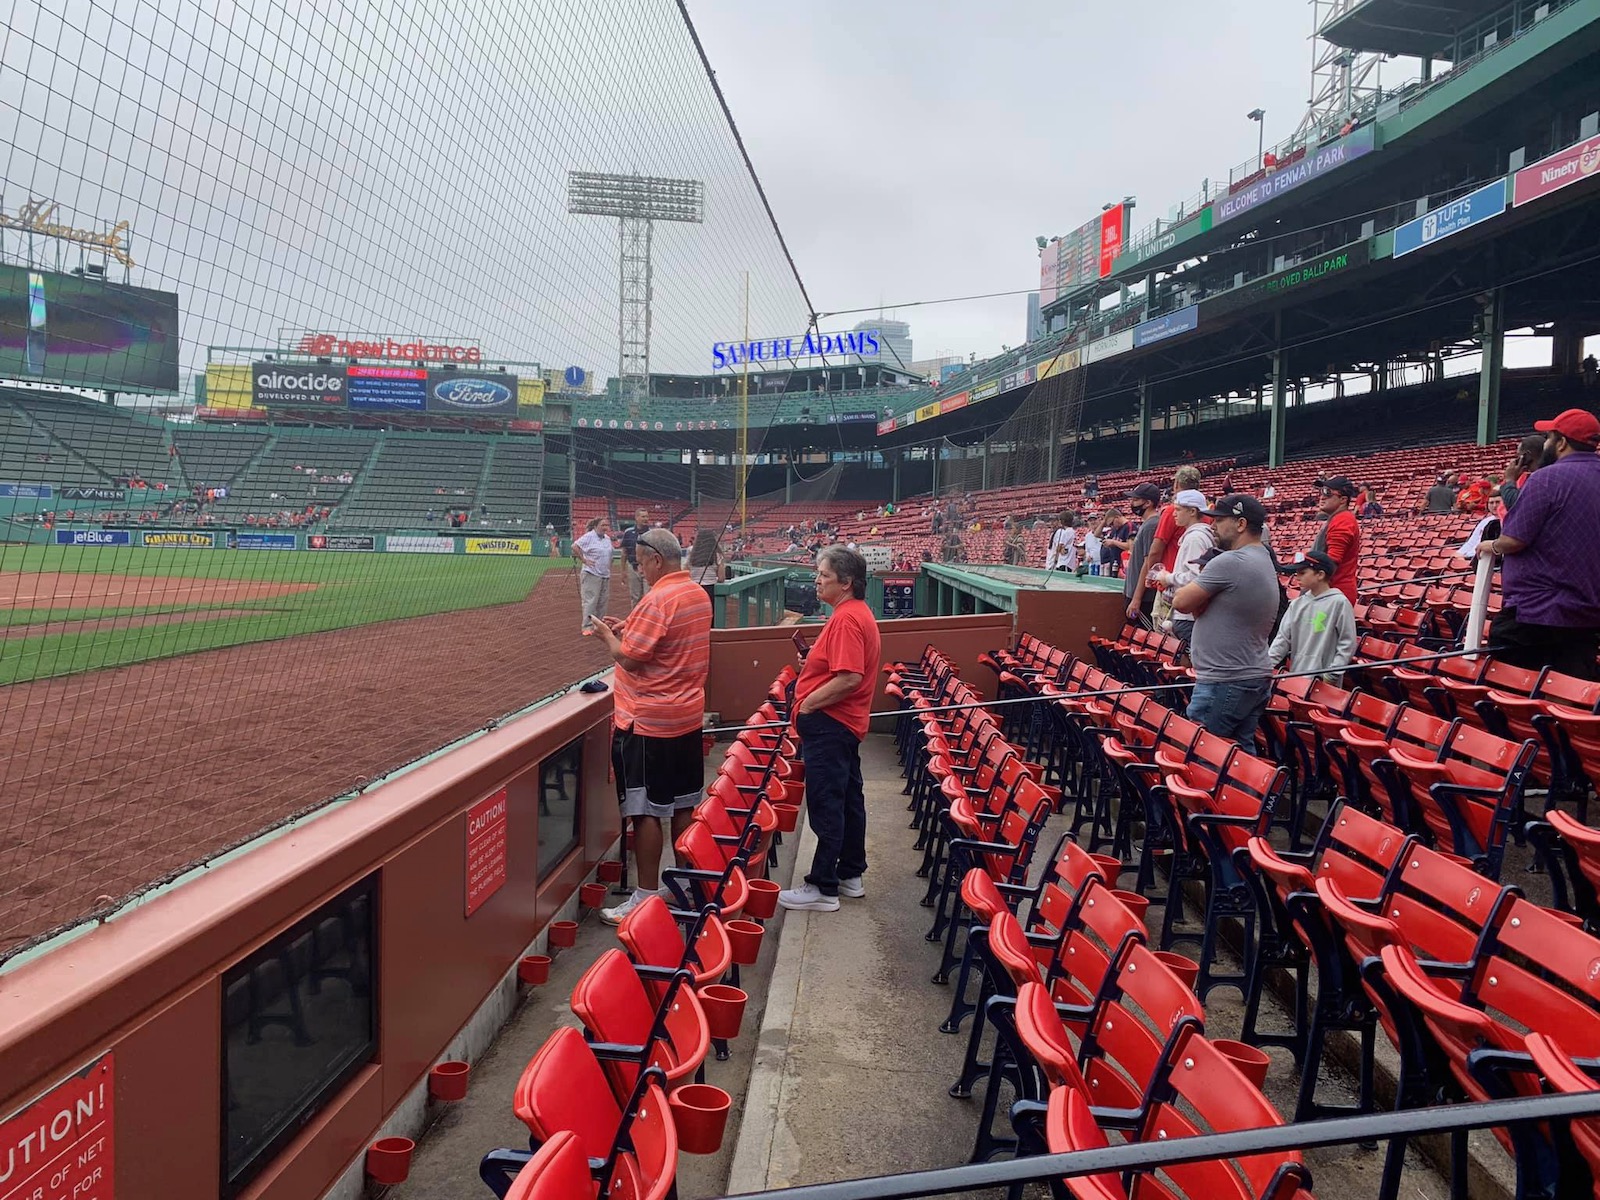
663 655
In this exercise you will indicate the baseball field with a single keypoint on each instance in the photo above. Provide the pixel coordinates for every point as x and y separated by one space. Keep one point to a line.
159 706
67 609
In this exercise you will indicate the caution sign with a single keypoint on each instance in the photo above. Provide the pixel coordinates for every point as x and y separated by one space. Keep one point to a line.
486 849
483 545
60 1146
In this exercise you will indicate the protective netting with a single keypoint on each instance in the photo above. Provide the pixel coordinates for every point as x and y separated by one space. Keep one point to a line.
281 290
1036 444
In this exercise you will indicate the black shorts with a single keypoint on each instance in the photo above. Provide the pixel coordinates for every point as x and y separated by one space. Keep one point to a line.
658 776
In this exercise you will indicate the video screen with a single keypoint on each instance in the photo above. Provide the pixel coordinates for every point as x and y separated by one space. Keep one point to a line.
87 332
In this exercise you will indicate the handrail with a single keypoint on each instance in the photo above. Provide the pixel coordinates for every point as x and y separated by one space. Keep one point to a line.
758 594
1152 1156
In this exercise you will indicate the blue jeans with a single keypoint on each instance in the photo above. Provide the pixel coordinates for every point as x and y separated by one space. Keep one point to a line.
836 802
1230 710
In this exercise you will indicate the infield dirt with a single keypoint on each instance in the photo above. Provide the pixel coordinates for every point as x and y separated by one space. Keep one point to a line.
193 754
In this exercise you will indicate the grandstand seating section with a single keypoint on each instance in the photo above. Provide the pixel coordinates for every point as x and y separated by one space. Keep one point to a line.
115 440
215 457
295 471
413 476
655 1010
516 475
1395 913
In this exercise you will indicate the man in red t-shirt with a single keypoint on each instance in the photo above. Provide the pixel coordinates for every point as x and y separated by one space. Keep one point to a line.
1340 538
833 705
1164 548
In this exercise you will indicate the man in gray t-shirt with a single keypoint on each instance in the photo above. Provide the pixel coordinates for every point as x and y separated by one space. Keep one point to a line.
1235 601
1145 504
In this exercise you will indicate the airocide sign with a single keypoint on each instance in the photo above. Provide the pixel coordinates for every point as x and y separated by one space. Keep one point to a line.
486 849
283 385
61 1146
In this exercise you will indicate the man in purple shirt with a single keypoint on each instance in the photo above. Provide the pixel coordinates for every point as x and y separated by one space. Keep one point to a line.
1550 577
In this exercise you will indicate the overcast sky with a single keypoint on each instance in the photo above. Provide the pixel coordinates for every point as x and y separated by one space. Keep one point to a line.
913 148
379 169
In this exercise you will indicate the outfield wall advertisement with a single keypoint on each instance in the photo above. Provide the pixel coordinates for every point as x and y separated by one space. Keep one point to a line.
342 541
374 388
181 539
488 545
264 541
412 544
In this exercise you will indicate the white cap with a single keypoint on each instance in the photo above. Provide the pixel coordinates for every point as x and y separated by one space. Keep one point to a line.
1191 498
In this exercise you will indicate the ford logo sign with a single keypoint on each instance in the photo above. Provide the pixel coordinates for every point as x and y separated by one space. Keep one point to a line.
472 393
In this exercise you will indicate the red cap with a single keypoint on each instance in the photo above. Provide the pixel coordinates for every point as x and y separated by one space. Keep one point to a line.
1576 425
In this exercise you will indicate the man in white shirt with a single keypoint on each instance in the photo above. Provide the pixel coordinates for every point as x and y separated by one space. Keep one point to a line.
1063 552
595 550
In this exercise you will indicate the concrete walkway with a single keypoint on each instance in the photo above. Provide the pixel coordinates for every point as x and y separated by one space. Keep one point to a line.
851 1075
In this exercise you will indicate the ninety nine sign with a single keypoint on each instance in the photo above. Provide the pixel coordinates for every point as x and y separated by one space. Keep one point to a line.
1472 209
486 849
1562 169
61 1146
864 343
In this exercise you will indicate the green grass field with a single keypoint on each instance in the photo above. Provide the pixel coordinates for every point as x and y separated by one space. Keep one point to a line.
352 589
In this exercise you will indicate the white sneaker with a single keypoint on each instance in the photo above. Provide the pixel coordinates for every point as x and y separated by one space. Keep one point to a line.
852 889
808 898
613 916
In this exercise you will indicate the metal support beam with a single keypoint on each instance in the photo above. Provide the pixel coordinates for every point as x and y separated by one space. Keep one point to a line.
1494 353
1278 421
788 482
633 318
986 464
1144 425
895 492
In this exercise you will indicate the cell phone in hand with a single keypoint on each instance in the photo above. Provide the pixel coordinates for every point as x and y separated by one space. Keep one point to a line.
801 646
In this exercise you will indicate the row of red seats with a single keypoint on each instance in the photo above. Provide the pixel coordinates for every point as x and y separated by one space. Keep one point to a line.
609 1108
1452 966
1094 1030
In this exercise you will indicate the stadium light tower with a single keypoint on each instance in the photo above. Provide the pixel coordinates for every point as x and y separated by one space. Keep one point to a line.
637 201
1340 80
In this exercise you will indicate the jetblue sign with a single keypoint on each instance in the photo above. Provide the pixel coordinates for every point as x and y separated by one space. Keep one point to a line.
1448 219
866 343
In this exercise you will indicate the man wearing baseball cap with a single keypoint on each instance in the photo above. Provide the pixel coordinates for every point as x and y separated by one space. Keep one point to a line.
1340 538
1195 543
1550 579
1143 501
663 657
1234 602
1318 633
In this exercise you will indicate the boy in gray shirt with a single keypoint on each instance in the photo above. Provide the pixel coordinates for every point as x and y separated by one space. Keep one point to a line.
1235 601
1319 630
